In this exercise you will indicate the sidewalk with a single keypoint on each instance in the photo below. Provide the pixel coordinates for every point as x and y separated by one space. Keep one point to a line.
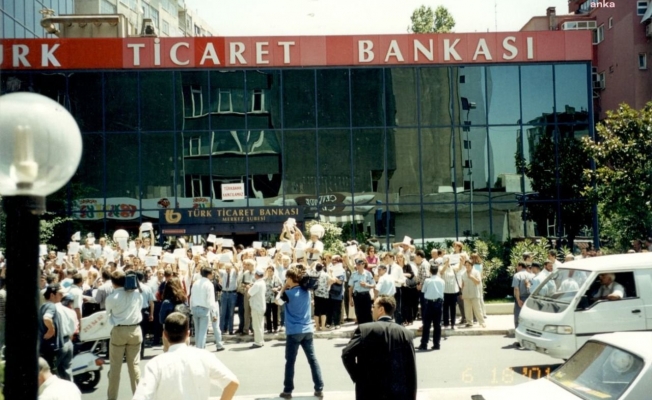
496 325
424 394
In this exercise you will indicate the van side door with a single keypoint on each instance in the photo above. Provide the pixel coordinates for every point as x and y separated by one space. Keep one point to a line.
595 316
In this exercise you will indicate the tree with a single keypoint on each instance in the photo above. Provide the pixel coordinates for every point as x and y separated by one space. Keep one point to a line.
425 20
623 174
558 178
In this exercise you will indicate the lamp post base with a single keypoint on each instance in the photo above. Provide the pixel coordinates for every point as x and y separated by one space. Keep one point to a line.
23 296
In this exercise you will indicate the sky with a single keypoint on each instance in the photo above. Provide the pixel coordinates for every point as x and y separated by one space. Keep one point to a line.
346 17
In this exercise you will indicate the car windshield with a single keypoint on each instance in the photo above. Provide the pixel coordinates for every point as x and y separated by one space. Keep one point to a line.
598 371
560 286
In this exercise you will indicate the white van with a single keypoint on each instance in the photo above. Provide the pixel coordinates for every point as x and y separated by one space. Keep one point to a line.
563 312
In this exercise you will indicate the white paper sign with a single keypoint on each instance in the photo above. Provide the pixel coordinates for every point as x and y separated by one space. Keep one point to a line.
227 243
226 257
142 253
279 245
151 261
168 258
197 250
211 239
271 252
286 248
218 241
180 253
43 250
155 251
257 245
183 264
233 191
407 240
132 244
110 257
351 250
263 262
76 236
211 257
123 244
73 248
60 257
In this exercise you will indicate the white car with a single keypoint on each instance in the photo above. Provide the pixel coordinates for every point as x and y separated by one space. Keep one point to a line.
615 366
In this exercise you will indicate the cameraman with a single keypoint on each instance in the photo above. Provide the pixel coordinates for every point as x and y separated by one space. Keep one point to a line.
299 330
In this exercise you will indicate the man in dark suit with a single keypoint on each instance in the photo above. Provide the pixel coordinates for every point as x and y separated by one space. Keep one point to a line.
380 357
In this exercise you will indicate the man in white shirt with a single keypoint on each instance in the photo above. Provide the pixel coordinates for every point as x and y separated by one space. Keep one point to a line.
69 321
385 285
78 294
610 289
552 256
51 387
257 303
202 302
123 309
184 372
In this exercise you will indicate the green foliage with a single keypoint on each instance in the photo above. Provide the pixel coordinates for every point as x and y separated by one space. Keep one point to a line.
332 234
360 235
425 20
623 174
552 179
538 250
48 225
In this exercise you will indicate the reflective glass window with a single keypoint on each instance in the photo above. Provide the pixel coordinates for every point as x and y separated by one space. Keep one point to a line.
438 97
122 165
299 98
300 163
401 96
334 161
230 104
537 94
571 95
88 181
469 88
503 95
437 152
121 101
85 91
404 178
505 165
194 106
158 166
367 97
333 97
157 97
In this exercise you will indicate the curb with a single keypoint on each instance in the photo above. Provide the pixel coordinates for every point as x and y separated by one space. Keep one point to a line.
349 334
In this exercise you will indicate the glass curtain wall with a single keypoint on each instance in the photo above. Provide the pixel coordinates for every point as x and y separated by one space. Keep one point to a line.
425 152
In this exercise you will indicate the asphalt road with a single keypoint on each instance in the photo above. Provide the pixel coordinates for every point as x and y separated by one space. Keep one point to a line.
475 361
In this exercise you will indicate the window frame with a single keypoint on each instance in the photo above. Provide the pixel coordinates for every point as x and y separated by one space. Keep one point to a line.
598 35
194 140
642 57
611 22
641 7
193 91
260 92
220 92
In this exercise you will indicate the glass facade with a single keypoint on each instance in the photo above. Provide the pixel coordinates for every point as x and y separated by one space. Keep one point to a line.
21 18
427 152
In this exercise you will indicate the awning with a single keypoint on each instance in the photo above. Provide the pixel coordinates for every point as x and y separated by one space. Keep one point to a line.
340 219
648 14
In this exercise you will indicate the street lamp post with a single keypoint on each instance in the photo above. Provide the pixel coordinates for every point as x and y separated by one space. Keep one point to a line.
40 149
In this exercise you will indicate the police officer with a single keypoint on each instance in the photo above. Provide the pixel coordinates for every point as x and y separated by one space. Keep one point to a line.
360 284
433 300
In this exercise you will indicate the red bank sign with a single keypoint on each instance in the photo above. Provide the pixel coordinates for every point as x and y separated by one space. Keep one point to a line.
297 51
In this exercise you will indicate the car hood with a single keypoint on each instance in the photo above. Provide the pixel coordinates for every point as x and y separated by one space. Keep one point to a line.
541 389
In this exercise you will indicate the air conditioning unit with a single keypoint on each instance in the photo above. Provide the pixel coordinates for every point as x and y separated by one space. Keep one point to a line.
598 85
648 30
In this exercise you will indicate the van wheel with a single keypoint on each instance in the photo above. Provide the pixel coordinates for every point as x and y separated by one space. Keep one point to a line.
87 380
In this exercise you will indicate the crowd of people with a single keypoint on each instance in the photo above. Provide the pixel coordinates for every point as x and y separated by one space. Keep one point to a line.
151 293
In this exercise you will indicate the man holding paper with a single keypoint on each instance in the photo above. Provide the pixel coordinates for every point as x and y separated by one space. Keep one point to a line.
202 302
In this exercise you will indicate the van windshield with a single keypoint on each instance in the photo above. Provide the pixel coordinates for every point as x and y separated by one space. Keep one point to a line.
553 292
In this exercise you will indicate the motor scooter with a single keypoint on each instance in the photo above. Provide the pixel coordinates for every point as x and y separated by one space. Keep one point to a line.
86 364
